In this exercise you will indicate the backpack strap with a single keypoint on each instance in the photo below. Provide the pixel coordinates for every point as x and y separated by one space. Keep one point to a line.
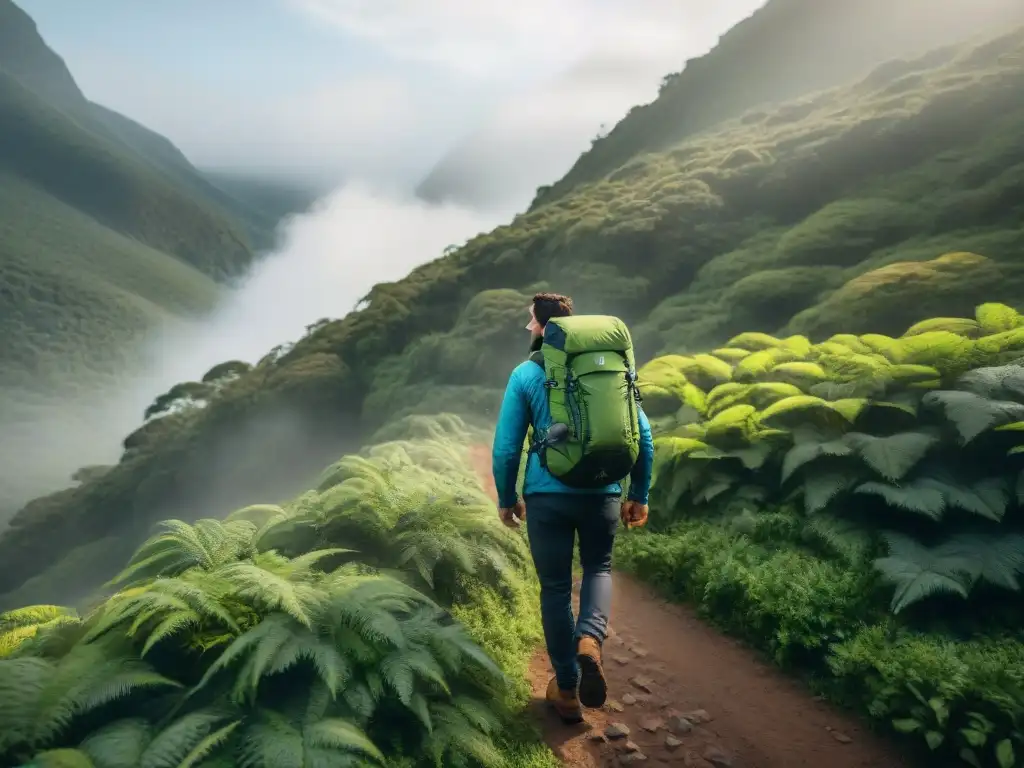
537 357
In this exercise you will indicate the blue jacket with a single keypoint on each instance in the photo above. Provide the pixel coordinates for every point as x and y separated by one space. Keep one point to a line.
526 403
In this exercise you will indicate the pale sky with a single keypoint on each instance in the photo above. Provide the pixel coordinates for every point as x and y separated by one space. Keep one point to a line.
378 89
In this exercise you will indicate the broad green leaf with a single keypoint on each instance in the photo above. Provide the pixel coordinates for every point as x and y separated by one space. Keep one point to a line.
906 725
1005 754
972 414
920 500
821 488
892 457
805 452
918 572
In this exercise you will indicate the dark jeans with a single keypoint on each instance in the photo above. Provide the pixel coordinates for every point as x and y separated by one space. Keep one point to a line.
552 521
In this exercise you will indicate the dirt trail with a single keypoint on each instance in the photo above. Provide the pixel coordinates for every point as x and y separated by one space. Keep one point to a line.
691 697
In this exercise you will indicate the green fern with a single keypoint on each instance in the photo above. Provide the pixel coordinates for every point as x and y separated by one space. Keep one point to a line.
995 382
972 414
921 500
821 489
894 456
841 536
996 559
918 572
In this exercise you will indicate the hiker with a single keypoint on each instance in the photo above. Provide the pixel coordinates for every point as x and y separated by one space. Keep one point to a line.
572 486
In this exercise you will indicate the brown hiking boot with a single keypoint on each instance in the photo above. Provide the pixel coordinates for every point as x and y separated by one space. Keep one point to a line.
593 685
565 703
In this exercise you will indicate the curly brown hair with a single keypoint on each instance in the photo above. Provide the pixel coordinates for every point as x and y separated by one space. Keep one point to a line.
548 305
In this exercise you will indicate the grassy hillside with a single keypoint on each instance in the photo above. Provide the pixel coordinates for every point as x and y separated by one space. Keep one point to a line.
870 203
784 50
107 233
107 228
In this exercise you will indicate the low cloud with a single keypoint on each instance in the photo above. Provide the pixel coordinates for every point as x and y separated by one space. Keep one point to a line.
490 39
533 137
329 259
327 128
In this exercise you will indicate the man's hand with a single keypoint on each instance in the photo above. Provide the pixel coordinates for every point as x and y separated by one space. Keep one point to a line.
633 514
513 516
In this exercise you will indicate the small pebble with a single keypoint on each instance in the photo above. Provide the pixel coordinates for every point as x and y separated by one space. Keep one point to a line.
628 699
671 742
842 738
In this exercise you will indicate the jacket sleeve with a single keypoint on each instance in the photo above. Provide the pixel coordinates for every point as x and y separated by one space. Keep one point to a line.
513 421
640 477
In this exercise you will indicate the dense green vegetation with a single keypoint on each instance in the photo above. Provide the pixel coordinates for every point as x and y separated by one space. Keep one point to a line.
856 508
837 489
831 213
786 49
384 617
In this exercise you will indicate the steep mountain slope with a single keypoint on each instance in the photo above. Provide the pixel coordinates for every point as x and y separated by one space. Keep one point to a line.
107 233
107 228
788 48
783 218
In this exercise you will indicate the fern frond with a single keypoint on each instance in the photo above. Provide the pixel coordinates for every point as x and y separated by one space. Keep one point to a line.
1003 382
997 559
803 453
841 536
822 488
988 498
894 456
924 501
972 414
918 572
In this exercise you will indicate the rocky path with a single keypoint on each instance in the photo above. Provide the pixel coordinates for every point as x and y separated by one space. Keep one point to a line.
682 694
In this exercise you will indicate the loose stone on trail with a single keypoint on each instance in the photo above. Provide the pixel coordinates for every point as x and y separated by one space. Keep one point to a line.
617 731
717 757
679 724
697 716
652 724
645 684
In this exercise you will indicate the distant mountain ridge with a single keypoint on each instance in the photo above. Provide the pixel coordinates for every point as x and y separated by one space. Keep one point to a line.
107 233
784 50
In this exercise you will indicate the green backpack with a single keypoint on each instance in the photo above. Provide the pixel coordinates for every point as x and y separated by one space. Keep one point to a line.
591 388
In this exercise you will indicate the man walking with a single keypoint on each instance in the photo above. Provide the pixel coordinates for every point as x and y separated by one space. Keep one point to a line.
578 393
